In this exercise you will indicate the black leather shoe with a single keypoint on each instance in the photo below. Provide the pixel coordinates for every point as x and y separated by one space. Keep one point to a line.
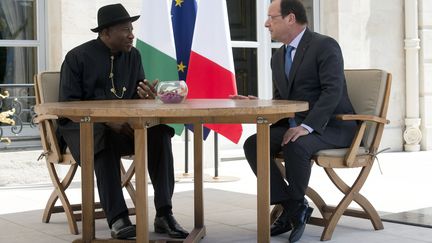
122 228
299 222
168 224
281 225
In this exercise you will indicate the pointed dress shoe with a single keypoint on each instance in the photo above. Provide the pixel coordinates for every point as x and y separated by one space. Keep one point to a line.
168 224
281 225
122 228
299 222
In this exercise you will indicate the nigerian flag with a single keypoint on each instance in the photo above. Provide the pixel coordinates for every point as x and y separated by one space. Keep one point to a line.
155 41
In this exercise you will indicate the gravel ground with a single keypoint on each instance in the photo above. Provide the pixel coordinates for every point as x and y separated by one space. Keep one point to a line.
22 168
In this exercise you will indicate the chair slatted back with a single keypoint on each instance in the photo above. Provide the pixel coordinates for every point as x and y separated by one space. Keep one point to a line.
48 84
47 90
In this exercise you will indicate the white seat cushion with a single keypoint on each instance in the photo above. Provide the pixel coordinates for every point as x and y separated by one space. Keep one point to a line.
340 152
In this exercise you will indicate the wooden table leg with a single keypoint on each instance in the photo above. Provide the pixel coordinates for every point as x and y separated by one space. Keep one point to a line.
141 184
263 182
198 176
199 230
87 180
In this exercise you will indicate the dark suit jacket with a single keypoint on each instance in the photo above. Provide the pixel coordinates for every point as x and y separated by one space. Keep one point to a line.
316 76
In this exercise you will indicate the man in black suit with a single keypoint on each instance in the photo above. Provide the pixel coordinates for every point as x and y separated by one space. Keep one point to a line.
308 67
107 68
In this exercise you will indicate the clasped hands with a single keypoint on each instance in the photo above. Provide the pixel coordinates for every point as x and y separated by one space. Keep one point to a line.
290 135
147 90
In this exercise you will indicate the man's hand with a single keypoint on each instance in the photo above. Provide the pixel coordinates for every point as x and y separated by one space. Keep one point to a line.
293 133
146 90
242 97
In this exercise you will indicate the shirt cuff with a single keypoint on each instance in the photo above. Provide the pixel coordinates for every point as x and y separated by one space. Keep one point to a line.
310 129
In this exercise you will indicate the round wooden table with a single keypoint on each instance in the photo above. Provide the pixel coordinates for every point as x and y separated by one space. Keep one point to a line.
143 113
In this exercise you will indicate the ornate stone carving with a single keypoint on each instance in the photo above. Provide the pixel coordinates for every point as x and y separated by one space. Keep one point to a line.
412 134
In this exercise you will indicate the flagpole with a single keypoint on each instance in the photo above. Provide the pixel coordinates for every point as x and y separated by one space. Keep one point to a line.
186 151
216 177
185 174
216 155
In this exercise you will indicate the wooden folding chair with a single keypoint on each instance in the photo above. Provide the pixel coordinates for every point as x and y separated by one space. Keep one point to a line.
369 92
47 90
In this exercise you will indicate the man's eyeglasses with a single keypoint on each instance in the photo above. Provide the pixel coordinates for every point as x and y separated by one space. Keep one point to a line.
272 17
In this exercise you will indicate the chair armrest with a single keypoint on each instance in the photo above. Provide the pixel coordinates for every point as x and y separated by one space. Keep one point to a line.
354 117
43 117
355 145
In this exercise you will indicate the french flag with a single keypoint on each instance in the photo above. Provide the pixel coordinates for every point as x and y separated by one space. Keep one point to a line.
211 66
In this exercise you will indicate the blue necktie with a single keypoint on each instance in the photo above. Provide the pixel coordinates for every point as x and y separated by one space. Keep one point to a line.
288 60
288 64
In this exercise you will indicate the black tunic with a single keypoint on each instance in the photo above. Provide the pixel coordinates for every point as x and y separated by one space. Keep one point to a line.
86 68
85 76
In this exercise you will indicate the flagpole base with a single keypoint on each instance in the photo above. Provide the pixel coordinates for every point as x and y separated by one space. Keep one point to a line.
215 179
184 175
187 177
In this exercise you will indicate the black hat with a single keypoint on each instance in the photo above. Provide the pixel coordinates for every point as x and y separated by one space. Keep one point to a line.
110 15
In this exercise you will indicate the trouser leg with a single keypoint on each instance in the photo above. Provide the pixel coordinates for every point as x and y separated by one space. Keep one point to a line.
108 148
107 170
278 186
297 157
108 175
160 165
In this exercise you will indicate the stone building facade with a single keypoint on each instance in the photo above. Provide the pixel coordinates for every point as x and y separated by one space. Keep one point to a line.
395 35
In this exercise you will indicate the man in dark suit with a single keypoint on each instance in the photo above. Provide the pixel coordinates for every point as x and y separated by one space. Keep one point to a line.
106 68
308 67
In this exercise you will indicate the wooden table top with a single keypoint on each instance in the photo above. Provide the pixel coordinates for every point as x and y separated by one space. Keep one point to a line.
152 108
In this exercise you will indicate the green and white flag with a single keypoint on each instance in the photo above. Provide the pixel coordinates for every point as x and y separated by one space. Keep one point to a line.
155 41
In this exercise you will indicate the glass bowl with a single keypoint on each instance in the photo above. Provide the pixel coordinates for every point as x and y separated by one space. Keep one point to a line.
171 92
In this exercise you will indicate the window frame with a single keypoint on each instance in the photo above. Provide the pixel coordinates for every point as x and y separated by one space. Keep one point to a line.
264 46
27 130
40 42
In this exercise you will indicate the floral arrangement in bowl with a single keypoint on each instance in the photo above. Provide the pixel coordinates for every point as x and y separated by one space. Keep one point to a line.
172 92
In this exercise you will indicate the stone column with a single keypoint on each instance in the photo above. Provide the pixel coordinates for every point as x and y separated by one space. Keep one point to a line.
412 134
425 32
54 36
